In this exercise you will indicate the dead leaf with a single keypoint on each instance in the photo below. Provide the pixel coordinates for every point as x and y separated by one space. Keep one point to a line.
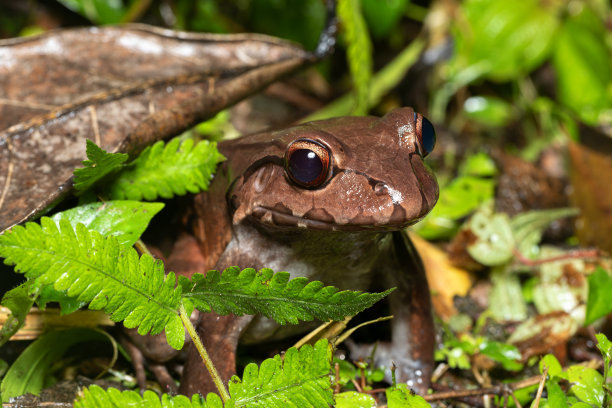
445 280
122 87
591 167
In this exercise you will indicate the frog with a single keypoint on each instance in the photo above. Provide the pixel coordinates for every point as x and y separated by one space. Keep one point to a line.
328 200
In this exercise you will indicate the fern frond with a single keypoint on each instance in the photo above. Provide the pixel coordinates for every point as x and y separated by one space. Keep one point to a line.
273 295
167 171
302 379
98 270
99 164
96 397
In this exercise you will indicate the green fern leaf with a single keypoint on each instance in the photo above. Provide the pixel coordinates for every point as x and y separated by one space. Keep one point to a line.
302 379
273 295
96 269
99 164
167 171
96 397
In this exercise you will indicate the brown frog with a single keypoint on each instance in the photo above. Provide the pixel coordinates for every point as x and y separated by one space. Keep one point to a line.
326 200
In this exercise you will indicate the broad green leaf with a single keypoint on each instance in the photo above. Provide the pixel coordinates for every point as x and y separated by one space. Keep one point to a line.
301 379
605 346
98 165
550 361
98 270
524 30
19 302
488 110
167 170
96 397
359 51
274 295
506 354
382 16
480 165
354 399
586 384
494 241
458 199
400 396
598 301
126 220
29 372
583 65
556 396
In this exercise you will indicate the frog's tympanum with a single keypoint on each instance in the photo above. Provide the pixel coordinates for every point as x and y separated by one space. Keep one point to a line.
325 200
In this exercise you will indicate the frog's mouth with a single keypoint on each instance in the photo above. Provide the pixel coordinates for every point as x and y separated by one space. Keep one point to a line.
318 220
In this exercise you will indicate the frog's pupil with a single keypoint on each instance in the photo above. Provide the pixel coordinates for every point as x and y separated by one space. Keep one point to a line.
305 165
428 137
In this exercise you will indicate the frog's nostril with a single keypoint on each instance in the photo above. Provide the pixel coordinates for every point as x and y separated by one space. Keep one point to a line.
380 188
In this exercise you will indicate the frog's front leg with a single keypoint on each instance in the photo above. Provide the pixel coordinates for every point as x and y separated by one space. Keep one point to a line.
220 336
412 328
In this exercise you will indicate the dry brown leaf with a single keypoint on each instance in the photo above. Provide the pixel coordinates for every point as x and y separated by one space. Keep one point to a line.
122 87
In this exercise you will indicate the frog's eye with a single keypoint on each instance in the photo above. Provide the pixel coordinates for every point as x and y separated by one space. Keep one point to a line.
307 163
426 135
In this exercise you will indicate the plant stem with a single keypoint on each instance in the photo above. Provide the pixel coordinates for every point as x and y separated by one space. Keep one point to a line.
205 357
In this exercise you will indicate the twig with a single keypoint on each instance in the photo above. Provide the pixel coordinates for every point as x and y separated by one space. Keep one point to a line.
577 254
495 390
541 387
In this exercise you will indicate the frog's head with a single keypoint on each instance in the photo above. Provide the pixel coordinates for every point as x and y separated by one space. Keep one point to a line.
350 173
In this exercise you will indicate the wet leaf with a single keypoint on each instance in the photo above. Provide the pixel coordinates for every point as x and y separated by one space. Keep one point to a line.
354 399
584 69
402 397
598 301
488 110
550 361
494 240
506 301
586 384
122 87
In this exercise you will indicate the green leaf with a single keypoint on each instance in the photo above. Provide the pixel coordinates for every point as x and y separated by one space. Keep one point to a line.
99 164
382 16
506 354
96 397
605 347
494 239
523 30
528 227
19 302
584 69
32 367
598 300
126 220
488 110
354 399
98 270
400 396
273 295
359 51
550 361
556 396
586 384
301 379
165 171
98 11
382 82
